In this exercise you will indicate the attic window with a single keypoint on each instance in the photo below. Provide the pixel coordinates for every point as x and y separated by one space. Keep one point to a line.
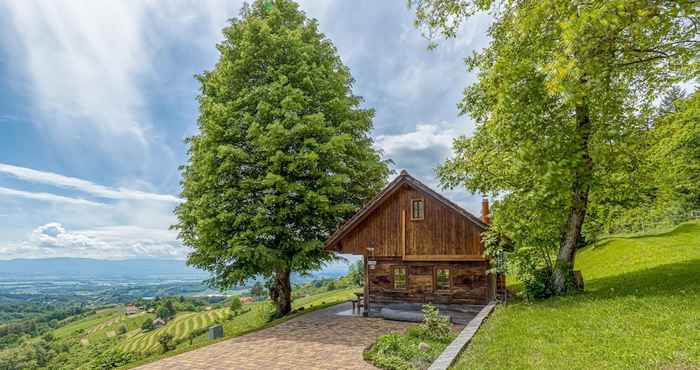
417 209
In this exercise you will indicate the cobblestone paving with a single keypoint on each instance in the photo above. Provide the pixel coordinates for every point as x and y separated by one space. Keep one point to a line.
318 340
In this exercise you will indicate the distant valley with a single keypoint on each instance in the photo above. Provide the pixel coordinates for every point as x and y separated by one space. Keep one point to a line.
139 269
85 268
97 282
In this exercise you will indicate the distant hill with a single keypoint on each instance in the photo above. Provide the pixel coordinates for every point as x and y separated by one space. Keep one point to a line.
87 268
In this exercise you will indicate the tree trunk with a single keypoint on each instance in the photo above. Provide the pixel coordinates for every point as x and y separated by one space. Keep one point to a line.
563 270
283 292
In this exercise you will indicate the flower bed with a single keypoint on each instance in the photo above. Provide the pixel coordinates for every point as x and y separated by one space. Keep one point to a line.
417 348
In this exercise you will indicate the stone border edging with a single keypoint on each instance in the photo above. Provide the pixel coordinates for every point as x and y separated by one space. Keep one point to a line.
448 356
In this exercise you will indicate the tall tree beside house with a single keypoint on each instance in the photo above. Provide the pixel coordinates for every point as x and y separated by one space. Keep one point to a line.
563 92
283 153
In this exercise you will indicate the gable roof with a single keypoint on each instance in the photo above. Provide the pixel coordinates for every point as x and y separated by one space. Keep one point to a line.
403 179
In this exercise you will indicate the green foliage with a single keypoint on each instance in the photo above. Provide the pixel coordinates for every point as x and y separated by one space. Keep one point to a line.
564 93
434 325
357 273
165 341
114 359
398 351
646 285
122 329
147 325
164 313
235 304
17 358
283 153
28 318
537 284
390 349
664 187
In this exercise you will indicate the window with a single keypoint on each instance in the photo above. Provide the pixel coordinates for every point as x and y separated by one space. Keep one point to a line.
417 209
399 278
442 279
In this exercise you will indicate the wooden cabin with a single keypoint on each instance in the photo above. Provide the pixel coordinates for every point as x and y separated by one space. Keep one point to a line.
418 247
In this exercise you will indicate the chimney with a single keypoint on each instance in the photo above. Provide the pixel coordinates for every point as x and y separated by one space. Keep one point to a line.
485 213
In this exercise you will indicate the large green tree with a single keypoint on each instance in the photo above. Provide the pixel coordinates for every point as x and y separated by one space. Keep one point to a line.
283 154
563 92
663 187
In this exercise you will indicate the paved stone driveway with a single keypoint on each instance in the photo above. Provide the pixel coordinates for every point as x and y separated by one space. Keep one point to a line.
319 340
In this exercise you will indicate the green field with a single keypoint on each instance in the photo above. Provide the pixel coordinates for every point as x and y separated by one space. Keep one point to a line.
103 324
640 310
179 328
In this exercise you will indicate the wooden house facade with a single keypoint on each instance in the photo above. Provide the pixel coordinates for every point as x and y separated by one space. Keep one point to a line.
418 247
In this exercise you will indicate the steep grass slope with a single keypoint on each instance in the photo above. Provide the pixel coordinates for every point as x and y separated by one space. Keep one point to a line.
640 310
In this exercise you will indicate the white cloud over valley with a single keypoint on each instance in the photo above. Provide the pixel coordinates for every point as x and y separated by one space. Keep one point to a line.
112 242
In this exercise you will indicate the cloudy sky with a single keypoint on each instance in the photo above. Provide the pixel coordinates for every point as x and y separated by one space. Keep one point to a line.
97 97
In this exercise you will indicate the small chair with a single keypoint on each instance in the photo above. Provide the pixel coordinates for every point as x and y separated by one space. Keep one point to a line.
357 303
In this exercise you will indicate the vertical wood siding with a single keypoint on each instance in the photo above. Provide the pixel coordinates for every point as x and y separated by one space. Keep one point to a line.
443 231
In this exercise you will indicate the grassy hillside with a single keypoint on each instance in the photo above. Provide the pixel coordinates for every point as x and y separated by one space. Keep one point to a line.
103 324
640 310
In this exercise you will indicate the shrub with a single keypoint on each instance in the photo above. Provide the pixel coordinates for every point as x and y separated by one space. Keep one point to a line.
165 340
165 313
395 351
147 325
435 326
538 284
113 359
235 304
391 363
122 329
390 350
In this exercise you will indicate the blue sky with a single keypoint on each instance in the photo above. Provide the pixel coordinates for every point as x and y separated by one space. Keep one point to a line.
98 96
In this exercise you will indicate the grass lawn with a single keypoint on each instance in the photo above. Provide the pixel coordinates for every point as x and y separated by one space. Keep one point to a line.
640 310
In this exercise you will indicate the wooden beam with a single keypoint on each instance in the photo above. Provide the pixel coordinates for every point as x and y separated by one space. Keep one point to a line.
439 257
366 297
403 232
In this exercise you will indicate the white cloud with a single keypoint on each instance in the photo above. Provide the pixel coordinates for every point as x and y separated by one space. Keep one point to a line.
110 242
424 137
54 179
47 197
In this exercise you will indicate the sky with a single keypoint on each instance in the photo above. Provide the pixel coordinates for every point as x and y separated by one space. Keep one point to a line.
97 98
